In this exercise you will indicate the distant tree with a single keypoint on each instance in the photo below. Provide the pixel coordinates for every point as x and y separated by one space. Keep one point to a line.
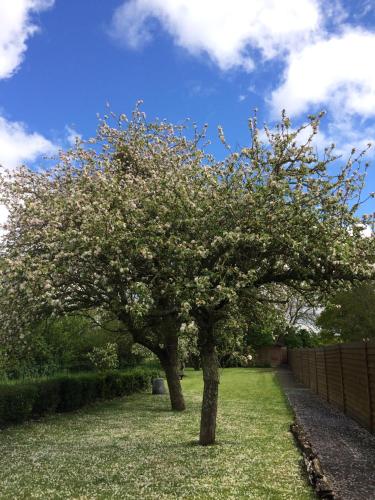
163 235
265 325
299 310
350 315
61 344
287 319
301 337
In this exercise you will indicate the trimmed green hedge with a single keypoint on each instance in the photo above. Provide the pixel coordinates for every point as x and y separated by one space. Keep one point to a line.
26 400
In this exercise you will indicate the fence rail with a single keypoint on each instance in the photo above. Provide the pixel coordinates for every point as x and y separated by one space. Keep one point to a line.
343 375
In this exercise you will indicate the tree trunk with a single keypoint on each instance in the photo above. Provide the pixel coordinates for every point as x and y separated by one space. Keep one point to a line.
172 374
210 369
168 357
171 365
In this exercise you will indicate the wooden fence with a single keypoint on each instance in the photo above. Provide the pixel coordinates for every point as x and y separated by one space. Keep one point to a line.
343 375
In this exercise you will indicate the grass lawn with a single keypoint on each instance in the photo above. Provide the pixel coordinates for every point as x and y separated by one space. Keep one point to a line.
136 448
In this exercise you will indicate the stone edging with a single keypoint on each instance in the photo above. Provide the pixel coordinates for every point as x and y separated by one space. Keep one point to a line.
317 478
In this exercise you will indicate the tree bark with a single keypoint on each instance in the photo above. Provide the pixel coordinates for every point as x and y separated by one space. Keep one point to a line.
174 385
210 369
167 355
171 365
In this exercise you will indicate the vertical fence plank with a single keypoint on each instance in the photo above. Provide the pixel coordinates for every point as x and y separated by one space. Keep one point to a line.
356 381
342 378
321 373
306 367
344 375
334 376
312 369
370 394
325 370
371 367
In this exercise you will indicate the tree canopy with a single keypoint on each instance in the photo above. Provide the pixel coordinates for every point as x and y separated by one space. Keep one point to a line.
349 315
142 224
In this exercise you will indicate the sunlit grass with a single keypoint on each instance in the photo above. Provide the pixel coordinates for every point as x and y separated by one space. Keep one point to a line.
136 448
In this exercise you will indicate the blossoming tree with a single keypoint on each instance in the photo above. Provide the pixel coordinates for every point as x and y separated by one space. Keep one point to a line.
169 241
97 234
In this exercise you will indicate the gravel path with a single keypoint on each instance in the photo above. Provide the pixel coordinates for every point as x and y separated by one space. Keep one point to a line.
346 450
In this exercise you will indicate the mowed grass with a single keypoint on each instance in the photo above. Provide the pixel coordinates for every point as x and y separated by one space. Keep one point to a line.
136 448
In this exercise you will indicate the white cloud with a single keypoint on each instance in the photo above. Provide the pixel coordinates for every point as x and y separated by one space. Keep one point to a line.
365 9
129 24
223 30
367 232
17 145
72 135
347 133
3 214
327 62
336 72
16 26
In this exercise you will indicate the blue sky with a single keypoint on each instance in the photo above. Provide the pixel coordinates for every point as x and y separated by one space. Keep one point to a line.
61 61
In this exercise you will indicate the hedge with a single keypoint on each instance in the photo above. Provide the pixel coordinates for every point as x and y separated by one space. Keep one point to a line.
26 400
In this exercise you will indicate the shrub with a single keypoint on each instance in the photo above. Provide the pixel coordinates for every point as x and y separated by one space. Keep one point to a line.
104 358
16 402
262 364
90 388
113 384
47 397
70 393
22 401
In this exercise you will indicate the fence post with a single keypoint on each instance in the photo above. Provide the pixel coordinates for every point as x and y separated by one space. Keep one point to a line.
371 422
316 374
342 380
326 373
308 370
